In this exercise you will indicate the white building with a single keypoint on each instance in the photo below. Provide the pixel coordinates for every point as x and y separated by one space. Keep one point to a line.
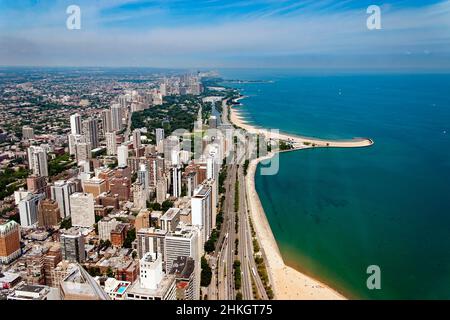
75 139
153 284
82 209
122 155
201 206
75 124
176 182
185 241
105 226
60 192
27 133
111 145
28 209
37 161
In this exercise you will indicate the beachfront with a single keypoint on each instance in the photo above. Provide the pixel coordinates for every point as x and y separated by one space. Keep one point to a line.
288 283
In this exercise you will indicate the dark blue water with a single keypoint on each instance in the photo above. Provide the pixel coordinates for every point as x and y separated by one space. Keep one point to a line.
334 212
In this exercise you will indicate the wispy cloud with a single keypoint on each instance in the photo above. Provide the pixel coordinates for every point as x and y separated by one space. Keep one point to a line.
210 32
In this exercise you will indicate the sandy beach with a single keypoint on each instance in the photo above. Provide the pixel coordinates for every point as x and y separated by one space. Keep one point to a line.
288 283
298 141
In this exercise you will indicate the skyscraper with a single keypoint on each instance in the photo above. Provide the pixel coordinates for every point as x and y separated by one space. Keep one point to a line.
143 177
122 155
82 209
37 161
74 139
185 241
75 123
201 206
111 145
176 182
90 131
61 192
28 209
159 137
116 117
107 121
137 141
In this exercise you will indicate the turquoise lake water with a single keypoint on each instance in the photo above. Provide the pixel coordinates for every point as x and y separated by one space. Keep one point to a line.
334 212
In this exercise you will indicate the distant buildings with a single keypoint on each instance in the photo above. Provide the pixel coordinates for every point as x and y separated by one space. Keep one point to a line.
27 133
9 241
82 209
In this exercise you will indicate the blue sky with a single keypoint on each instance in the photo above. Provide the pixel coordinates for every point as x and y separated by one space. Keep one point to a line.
227 33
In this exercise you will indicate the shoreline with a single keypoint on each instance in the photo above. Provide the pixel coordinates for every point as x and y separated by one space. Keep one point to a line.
287 282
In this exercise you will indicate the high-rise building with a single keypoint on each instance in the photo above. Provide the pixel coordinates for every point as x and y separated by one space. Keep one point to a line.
137 140
75 124
48 213
159 137
139 195
176 182
150 240
161 191
28 209
143 177
9 241
75 139
142 219
82 209
153 283
185 241
184 270
111 145
105 226
72 245
121 187
90 131
201 206
170 219
122 155
36 184
61 192
27 133
106 120
83 151
37 161
96 186
116 117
